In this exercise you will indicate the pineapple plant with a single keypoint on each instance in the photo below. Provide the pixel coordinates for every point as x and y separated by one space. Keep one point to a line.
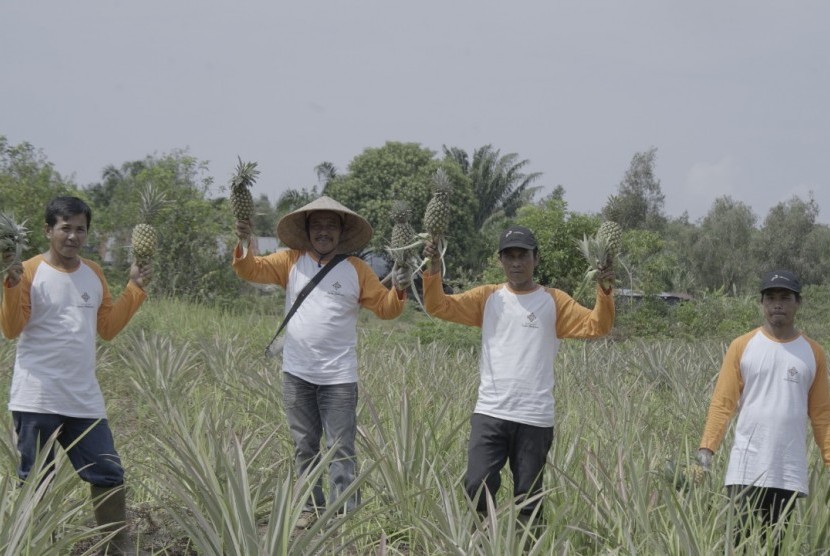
145 236
13 241
242 203
601 250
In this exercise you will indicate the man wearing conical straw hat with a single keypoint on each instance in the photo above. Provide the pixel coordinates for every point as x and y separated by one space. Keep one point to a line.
319 360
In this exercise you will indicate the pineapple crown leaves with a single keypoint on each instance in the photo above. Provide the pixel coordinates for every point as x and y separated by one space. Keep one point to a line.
597 252
400 211
441 184
13 236
152 200
245 175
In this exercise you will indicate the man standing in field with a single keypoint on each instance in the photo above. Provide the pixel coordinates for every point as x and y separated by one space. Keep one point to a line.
56 303
777 377
319 360
522 325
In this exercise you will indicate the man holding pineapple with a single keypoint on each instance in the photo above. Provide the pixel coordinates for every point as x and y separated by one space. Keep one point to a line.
777 378
56 303
319 360
522 325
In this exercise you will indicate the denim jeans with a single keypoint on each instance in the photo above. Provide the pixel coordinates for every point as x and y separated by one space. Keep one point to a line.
93 454
311 410
495 441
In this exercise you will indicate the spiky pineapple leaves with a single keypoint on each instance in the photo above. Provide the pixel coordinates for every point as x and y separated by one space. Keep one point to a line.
13 241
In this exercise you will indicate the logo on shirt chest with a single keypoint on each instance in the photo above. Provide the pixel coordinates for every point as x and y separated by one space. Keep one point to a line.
793 375
335 289
530 321
86 304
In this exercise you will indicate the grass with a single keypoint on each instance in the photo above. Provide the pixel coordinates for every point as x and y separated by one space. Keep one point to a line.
197 414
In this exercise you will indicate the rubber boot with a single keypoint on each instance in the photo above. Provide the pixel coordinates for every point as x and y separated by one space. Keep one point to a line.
110 505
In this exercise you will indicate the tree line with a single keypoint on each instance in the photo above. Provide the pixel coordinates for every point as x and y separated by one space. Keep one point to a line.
724 252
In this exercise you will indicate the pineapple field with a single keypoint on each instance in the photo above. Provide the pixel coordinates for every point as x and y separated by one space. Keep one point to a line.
197 415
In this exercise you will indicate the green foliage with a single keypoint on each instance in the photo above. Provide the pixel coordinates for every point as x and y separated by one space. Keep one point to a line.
723 243
639 201
404 171
784 235
27 182
191 260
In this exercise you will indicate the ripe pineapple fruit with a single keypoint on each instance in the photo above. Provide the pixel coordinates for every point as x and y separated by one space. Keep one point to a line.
13 240
145 236
242 203
403 234
437 214
601 250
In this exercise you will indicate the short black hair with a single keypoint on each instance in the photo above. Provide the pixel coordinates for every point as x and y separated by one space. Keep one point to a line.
66 207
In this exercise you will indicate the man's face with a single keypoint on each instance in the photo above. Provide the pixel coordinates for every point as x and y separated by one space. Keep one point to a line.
779 306
324 229
518 265
67 236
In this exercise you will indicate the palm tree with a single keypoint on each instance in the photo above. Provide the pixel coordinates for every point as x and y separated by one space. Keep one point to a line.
499 183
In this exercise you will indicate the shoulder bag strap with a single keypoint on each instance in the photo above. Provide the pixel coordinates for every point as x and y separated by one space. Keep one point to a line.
304 293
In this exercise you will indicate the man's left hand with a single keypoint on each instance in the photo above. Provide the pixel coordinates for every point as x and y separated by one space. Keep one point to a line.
401 277
605 279
141 276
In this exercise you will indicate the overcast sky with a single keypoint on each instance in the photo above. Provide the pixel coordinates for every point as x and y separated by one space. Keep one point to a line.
734 95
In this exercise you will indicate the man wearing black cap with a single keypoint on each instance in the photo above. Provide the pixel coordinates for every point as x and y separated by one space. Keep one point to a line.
522 325
777 376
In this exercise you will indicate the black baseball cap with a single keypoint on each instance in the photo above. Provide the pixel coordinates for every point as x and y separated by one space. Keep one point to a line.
783 279
517 236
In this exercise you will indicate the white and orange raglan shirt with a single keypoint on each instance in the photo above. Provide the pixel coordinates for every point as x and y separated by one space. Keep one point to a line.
776 387
321 338
56 315
520 336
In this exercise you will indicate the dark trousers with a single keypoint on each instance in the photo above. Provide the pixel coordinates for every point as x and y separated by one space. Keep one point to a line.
88 443
493 442
769 506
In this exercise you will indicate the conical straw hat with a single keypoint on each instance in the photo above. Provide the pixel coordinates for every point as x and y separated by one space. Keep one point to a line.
292 231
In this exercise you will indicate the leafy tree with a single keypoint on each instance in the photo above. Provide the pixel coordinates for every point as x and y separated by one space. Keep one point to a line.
27 182
499 183
782 239
378 176
639 201
194 238
721 254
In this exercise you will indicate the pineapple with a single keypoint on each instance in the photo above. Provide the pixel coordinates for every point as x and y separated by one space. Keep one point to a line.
437 214
601 250
145 236
242 203
13 240
403 234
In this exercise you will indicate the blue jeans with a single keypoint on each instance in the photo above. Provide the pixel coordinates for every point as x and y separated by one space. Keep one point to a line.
311 410
495 441
93 454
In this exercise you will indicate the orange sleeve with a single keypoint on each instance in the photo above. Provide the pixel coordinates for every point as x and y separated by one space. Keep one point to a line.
384 303
463 308
16 305
114 316
726 395
575 321
270 269
818 404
